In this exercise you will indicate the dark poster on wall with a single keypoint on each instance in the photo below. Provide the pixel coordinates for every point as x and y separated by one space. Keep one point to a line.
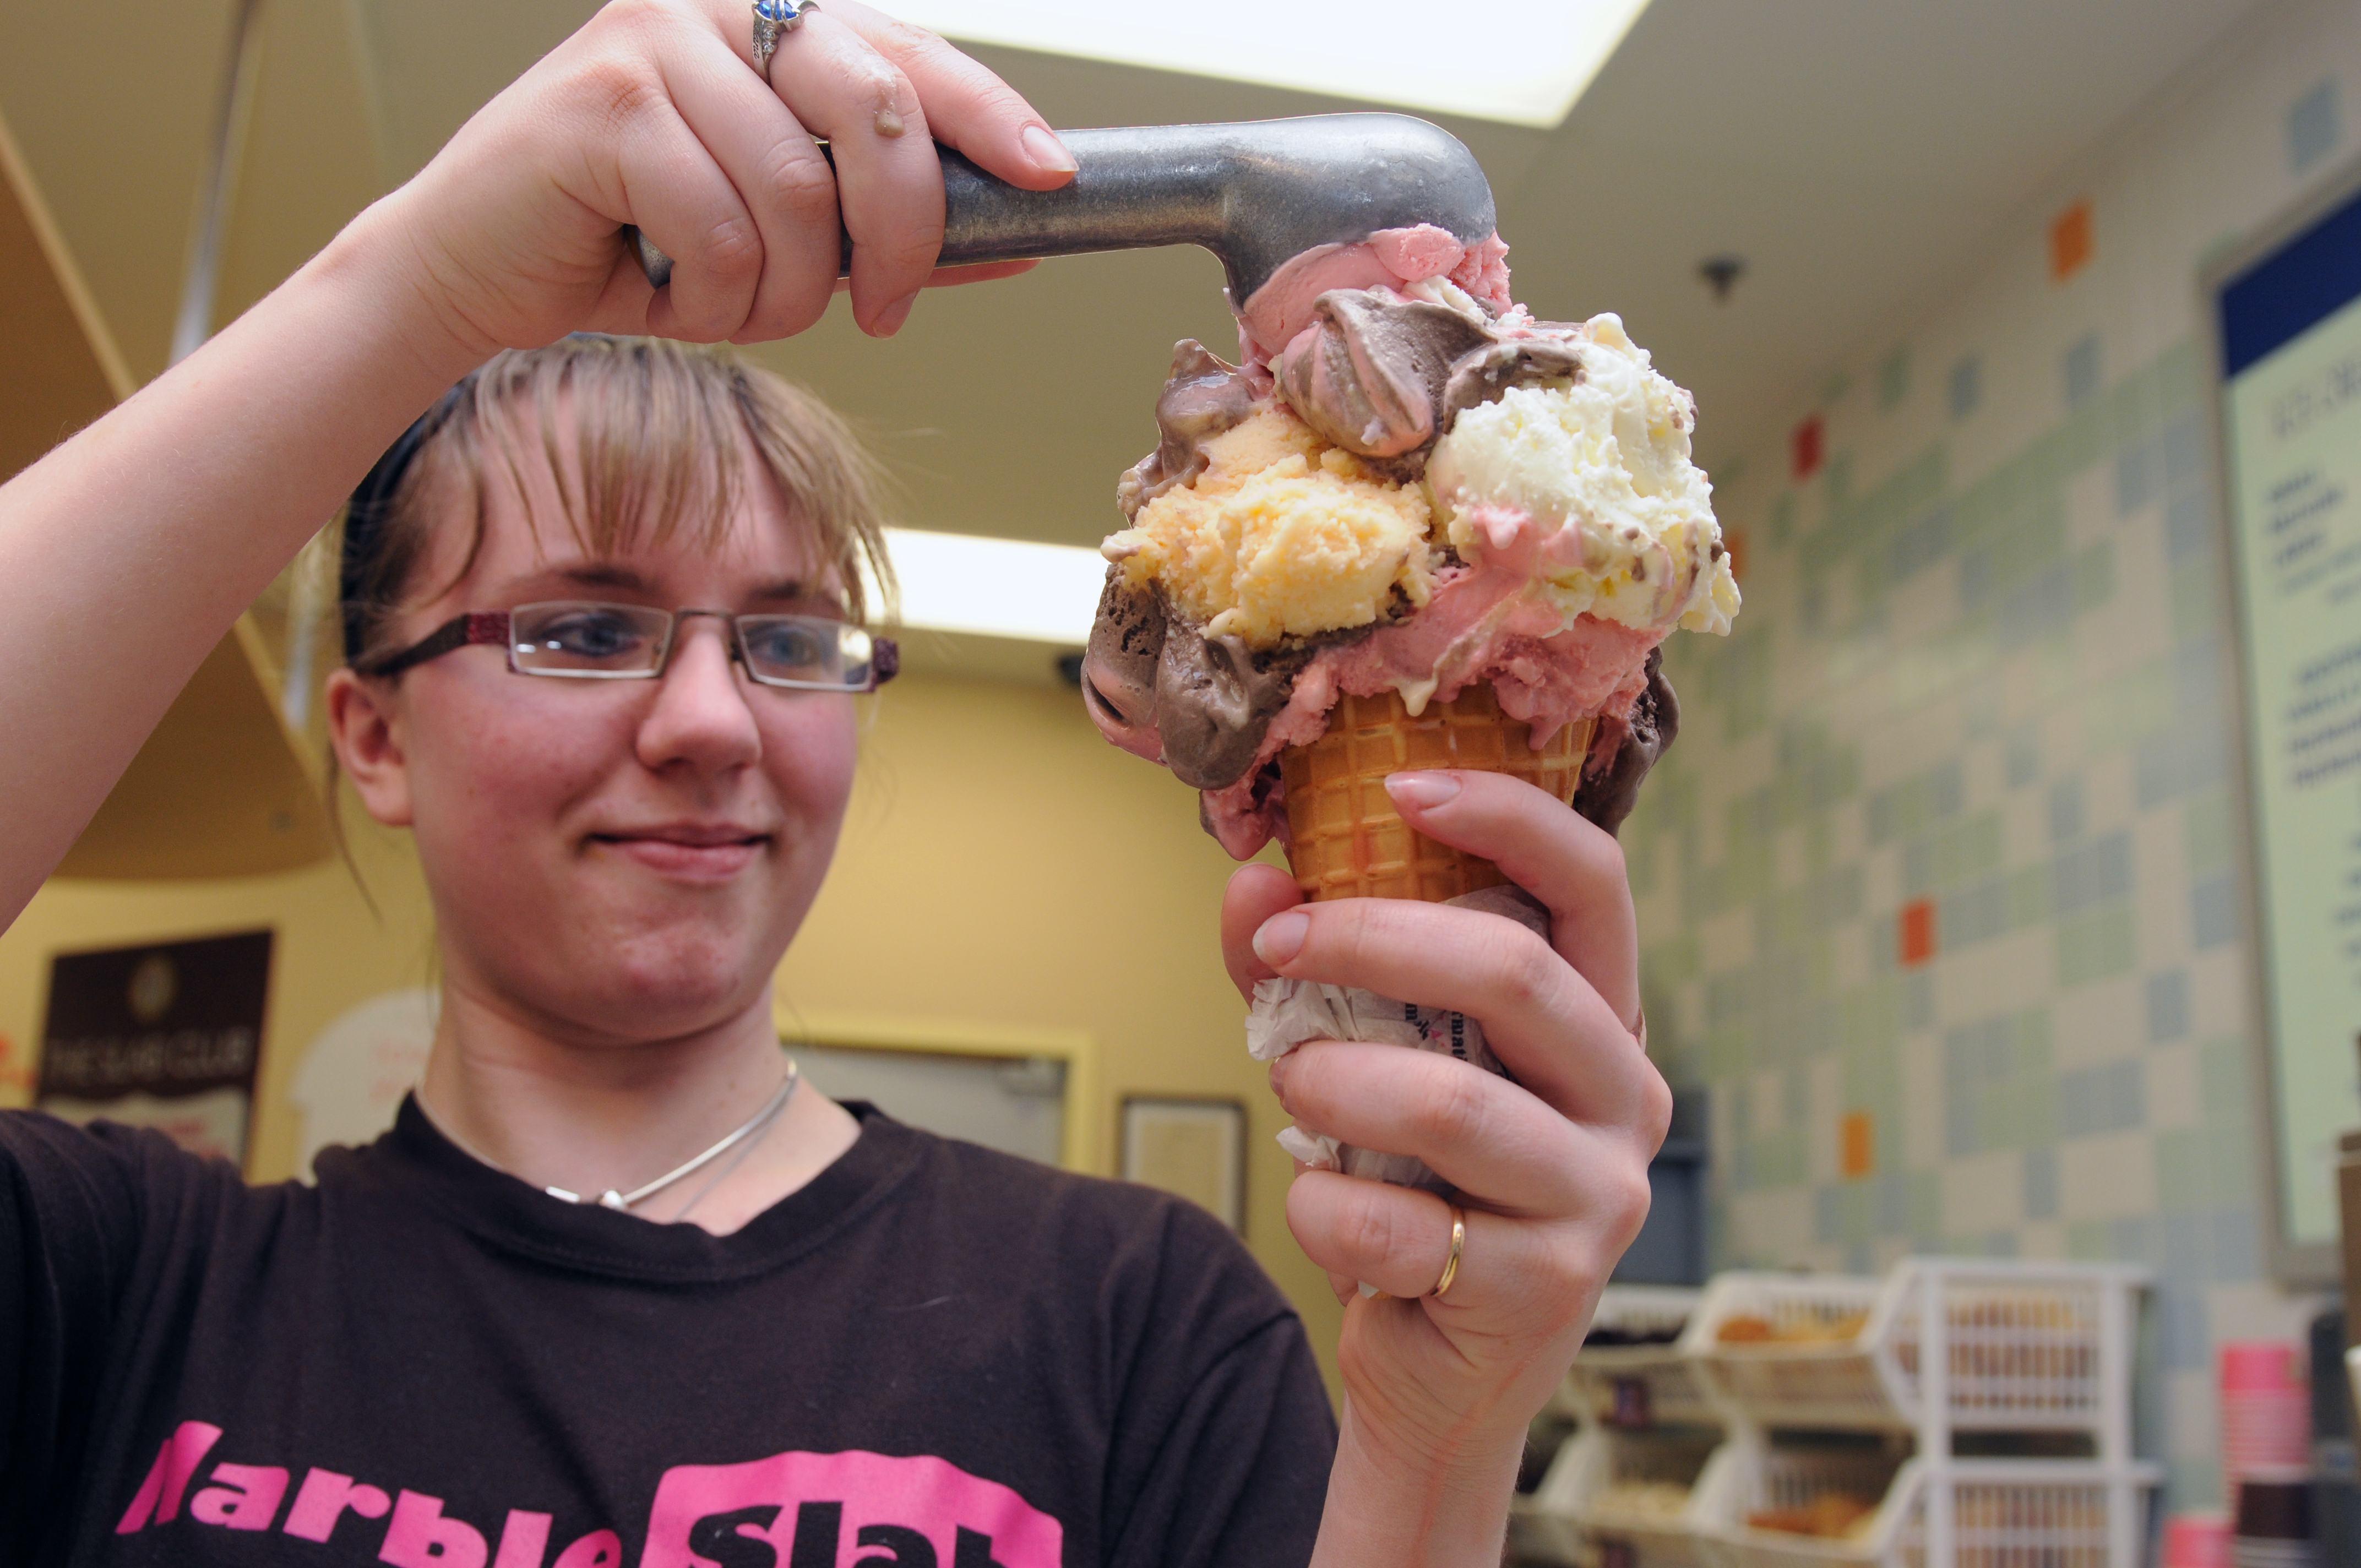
166 1035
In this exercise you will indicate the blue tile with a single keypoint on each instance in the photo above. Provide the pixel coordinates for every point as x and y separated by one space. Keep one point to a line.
1947 789
2093 873
1827 1215
2081 368
1861 1257
2037 609
2237 1245
2185 456
2187 524
1967 387
2187 1256
2167 1006
1919 1000
2065 811
2000 1244
2213 912
2023 758
2314 127
2198 681
1917 867
1973 915
2139 475
2041 1184
2182 1326
2133 1239
2168 765
1892 1204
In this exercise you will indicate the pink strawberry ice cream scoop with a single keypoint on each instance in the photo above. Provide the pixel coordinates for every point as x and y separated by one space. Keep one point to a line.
1410 485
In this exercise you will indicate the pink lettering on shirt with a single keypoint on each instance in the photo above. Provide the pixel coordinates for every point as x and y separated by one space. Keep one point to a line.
158 1500
818 1510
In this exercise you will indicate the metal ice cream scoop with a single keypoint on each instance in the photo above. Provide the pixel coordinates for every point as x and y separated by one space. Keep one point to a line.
1256 193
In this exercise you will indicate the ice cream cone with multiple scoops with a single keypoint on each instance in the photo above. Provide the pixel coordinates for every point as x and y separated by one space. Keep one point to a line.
1414 527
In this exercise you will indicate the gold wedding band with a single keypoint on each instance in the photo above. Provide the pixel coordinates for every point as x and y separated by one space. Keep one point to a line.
1458 1243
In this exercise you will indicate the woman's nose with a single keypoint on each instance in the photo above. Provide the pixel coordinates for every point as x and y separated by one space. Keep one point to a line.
700 716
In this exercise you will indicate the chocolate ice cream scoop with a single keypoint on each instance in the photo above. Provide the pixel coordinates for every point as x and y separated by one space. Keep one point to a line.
1628 749
1119 668
1383 377
1215 700
1204 396
1370 373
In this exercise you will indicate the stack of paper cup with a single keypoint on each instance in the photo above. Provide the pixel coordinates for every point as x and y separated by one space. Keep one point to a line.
2197 1541
2265 1409
2274 1521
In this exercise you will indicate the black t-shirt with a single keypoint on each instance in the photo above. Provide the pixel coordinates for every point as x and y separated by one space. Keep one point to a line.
933 1354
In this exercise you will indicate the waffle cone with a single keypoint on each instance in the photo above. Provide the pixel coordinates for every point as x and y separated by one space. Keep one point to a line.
1344 837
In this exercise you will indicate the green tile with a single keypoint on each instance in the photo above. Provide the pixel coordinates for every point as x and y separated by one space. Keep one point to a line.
2136 704
1894 380
2196 591
2209 833
2028 896
2094 577
2096 945
2183 1170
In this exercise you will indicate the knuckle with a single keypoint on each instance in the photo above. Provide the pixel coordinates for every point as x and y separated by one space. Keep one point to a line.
900 40
1366 1228
1655 1109
800 180
1624 1200
615 88
1526 969
733 248
1458 1111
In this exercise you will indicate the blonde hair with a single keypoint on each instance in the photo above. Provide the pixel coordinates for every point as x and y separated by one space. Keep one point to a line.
658 432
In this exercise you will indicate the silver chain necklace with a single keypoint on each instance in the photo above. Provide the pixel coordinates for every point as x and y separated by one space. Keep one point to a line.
611 1198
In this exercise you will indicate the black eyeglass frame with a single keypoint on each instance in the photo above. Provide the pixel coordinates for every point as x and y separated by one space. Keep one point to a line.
493 628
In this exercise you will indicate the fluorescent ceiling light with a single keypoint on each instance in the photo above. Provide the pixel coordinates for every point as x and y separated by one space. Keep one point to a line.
998 587
1523 61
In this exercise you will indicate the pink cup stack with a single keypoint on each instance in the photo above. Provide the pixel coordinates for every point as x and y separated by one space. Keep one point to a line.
2265 1409
2197 1541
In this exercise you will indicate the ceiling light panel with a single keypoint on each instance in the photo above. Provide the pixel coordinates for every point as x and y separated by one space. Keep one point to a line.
998 587
1520 62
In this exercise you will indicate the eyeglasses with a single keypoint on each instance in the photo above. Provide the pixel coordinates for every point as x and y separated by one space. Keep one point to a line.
574 640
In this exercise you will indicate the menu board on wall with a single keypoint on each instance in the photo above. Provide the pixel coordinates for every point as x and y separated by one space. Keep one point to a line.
2288 315
166 1035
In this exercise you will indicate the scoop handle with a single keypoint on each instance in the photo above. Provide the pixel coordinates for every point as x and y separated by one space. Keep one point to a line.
1255 193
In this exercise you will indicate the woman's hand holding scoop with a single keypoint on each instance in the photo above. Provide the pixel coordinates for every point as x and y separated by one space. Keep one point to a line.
656 114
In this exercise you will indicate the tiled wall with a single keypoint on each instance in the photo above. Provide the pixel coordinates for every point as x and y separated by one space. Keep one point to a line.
1940 883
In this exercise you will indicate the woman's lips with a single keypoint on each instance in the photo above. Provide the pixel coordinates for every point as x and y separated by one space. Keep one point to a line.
695 857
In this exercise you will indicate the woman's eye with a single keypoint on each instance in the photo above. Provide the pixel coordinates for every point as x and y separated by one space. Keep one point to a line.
786 647
590 635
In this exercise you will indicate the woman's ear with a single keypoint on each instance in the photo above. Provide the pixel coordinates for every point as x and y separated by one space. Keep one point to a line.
361 726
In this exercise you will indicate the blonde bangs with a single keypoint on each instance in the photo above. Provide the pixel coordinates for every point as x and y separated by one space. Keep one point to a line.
657 432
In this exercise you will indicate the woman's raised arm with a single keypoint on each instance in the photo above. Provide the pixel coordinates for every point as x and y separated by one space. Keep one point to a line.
127 551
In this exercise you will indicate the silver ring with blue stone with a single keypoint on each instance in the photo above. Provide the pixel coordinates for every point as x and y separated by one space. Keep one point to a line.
773 19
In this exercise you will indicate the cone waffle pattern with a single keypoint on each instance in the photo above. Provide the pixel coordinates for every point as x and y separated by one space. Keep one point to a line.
1344 837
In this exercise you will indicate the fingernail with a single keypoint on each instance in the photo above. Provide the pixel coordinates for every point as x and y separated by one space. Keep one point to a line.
890 319
1281 936
1279 1077
1421 790
1046 151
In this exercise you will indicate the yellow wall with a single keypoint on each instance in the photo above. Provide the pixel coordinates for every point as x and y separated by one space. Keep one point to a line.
1001 869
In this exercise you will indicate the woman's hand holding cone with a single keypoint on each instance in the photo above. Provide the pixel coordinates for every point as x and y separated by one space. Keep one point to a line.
1551 1164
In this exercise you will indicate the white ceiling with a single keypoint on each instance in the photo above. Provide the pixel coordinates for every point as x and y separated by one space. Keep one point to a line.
1859 153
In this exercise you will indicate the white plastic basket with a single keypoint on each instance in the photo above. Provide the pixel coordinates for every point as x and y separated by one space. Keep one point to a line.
1582 1491
2025 1347
2023 1513
1829 1380
1641 1385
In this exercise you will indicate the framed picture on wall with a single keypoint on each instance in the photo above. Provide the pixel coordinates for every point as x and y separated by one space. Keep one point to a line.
1193 1148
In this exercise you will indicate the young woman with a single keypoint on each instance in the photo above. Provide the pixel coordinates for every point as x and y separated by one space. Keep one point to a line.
601 602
